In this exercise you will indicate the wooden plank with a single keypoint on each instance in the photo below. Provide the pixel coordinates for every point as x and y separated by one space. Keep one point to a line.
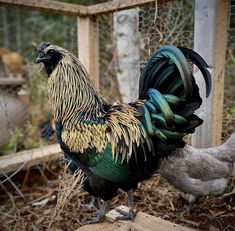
116 6
75 9
94 227
49 6
156 223
27 158
142 222
88 46
210 40
11 81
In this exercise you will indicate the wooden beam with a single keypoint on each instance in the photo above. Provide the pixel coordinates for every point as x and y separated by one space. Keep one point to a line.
48 5
210 40
11 81
23 159
142 222
116 6
88 46
75 9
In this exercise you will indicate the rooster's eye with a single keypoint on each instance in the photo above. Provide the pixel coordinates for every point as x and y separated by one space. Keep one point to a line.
50 51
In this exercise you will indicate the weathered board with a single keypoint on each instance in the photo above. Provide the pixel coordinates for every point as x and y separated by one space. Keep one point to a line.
27 158
142 222
75 9
210 40
88 48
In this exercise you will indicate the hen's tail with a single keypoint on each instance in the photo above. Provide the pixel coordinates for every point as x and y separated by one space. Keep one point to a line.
172 95
230 146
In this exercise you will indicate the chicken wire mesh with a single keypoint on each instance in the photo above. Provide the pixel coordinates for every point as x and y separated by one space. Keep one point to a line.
170 22
158 24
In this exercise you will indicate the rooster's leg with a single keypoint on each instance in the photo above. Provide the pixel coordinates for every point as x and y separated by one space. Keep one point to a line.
132 212
92 203
100 214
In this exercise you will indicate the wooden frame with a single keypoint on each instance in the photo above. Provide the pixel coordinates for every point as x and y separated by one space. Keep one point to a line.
48 6
88 46
75 9
114 6
211 18
210 40
88 49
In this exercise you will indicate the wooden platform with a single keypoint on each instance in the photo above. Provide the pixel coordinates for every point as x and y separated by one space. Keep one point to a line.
142 222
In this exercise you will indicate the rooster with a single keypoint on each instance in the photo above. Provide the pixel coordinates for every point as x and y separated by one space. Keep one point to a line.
200 172
117 146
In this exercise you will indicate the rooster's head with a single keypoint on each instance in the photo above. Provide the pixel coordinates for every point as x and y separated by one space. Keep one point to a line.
49 55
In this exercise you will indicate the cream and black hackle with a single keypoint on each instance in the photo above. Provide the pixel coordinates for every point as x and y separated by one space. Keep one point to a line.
118 146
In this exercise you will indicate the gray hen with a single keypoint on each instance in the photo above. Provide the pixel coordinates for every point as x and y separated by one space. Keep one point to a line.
200 172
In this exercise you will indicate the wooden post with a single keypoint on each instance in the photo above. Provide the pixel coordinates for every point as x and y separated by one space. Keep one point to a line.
210 40
126 34
88 46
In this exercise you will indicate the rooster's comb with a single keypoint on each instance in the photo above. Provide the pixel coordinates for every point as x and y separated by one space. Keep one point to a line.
42 46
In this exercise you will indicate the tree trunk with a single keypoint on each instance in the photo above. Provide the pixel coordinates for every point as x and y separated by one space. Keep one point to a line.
126 34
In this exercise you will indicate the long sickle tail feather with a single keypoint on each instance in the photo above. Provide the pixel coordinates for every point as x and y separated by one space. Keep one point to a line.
201 64
171 95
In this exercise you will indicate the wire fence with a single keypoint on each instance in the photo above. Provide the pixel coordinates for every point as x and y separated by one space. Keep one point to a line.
171 22
168 23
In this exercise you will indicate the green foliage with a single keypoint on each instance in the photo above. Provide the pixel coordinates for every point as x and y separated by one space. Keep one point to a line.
232 110
13 143
23 138
230 78
23 30
37 84
40 109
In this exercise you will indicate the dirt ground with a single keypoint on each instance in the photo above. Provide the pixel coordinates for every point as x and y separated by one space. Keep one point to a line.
46 198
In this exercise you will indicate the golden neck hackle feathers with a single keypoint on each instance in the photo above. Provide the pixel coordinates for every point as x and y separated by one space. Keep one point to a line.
70 90
75 101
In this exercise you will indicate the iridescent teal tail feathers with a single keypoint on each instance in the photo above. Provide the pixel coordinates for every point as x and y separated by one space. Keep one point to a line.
171 95
201 64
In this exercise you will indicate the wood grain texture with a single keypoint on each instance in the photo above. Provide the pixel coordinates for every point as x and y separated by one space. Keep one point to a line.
142 222
222 17
49 6
116 6
210 40
75 9
88 46
27 158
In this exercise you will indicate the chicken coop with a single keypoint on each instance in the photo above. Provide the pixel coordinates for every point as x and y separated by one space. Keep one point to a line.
113 39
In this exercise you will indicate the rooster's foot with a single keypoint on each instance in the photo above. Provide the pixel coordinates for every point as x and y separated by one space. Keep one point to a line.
91 205
98 216
126 215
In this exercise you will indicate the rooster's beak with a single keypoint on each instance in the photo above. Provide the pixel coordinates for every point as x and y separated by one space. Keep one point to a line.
41 58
